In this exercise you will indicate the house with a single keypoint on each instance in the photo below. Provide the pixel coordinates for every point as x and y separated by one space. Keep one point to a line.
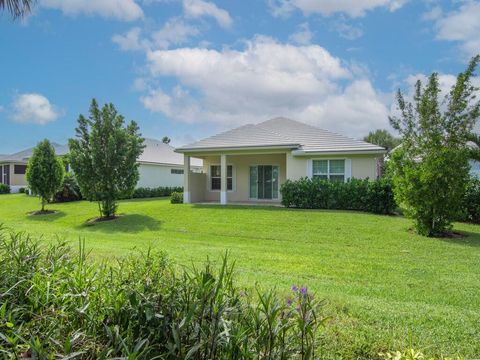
251 162
159 166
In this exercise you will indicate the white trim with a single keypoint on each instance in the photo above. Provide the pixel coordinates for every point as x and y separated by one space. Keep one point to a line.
348 169
278 186
338 152
223 197
186 197
209 177
310 168
233 148
345 170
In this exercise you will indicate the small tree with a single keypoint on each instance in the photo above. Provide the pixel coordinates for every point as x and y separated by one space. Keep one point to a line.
430 169
104 157
166 140
382 138
45 172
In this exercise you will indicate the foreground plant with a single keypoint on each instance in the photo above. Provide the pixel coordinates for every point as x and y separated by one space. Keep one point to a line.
55 303
430 168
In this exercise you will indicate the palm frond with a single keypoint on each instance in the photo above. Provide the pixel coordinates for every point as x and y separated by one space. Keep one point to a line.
17 8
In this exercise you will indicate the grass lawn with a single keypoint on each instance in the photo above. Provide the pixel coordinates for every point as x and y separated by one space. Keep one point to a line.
387 287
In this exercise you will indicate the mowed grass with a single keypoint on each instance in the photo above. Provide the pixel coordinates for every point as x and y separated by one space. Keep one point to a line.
386 287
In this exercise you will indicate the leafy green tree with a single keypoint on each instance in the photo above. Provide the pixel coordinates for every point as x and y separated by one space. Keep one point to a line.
45 172
474 150
382 138
104 157
430 169
17 8
166 140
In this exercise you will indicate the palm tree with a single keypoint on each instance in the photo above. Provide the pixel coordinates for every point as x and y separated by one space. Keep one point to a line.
17 8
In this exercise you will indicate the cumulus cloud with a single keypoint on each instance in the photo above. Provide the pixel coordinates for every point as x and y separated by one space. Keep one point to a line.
263 80
34 108
124 10
462 26
201 8
328 7
303 35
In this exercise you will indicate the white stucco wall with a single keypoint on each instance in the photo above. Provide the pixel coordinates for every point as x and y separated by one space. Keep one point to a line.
152 175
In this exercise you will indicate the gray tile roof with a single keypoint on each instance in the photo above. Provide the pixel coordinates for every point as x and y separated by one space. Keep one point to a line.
282 132
155 152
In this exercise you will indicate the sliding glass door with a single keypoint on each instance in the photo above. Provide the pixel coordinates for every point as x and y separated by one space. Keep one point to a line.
264 182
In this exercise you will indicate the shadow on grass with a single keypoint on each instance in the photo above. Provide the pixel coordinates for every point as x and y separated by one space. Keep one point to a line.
469 239
47 217
131 223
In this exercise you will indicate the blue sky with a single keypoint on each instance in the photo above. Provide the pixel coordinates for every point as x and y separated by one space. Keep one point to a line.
191 68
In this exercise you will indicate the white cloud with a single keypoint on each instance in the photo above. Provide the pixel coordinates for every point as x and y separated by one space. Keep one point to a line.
34 108
462 26
263 80
346 30
125 10
174 32
201 8
328 7
303 36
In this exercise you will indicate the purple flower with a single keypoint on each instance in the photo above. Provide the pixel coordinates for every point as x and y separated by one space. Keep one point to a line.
303 290
294 288
289 301
26 258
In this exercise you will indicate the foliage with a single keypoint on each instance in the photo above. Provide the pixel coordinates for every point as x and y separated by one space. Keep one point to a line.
22 190
4 189
430 170
474 148
17 8
57 304
176 198
471 201
382 138
166 140
45 172
104 157
412 354
70 191
362 195
155 192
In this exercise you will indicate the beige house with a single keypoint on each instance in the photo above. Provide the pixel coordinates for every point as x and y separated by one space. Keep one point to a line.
159 164
250 163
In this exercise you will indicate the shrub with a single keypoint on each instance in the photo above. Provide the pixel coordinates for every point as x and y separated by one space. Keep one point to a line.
177 198
58 304
70 190
361 195
4 189
155 192
471 202
22 190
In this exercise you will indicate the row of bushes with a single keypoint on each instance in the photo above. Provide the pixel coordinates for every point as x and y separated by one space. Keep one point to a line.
161 191
55 303
362 195
4 189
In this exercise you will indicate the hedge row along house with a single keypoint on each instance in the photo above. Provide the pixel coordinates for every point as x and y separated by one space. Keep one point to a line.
251 162
159 164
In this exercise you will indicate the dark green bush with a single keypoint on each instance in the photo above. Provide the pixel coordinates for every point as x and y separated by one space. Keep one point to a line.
471 203
176 198
57 304
161 191
70 190
361 195
22 190
4 189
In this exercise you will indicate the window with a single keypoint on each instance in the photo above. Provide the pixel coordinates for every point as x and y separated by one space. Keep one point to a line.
176 171
215 177
333 170
19 169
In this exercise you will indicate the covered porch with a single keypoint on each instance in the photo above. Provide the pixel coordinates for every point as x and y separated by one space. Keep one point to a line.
236 178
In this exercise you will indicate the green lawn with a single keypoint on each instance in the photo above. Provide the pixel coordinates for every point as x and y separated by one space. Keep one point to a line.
387 287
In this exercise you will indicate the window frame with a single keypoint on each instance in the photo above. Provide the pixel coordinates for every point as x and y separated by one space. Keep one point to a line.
15 166
328 174
175 171
210 177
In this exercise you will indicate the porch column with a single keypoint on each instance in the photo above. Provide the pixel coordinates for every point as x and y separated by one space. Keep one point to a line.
186 179
223 178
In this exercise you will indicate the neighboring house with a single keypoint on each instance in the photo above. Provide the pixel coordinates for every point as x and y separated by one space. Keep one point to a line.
250 163
159 166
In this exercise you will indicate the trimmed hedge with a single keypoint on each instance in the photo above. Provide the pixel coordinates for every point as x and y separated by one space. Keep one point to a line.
4 189
361 195
471 204
161 191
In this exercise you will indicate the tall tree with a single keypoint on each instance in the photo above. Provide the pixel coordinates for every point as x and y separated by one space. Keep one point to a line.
382 138
45 172
430 169
17 8
166 140
104 157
